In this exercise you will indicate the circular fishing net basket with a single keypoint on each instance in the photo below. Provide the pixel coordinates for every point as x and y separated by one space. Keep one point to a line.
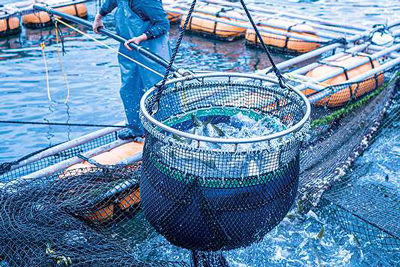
209 193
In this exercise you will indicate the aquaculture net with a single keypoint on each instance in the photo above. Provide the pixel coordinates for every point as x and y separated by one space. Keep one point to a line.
339 136
208 193
64 218
370 210
83 217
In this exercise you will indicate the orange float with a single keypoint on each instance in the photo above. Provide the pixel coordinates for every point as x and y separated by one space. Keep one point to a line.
42 19
172 16
283 42
9 26
207 24
101 214
350 92
124 197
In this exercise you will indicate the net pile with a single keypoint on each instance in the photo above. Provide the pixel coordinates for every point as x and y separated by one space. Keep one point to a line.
83 217
220 194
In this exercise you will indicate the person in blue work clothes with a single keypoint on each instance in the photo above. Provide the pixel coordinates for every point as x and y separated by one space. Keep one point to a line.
145 23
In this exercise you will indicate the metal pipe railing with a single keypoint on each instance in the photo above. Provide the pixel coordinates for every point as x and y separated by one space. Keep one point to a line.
286 14
311 54
359 78
268 23
68 145
362 61
336 56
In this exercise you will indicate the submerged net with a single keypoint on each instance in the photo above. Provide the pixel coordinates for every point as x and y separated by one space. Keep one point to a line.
370 208
339 137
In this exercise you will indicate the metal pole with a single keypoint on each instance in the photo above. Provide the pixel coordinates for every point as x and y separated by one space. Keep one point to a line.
380 48
393 24
265 13
362 61
370 73
218 18
336 56
71 144
66 163
75 160
291 15
159 60
311 54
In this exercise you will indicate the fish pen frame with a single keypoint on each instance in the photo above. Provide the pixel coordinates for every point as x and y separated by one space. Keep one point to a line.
146 115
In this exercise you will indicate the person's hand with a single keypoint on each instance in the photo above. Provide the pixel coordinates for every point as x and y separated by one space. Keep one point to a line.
136 40
98 23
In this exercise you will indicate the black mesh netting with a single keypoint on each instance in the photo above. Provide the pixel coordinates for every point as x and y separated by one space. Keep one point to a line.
210 195
80 218
89 217
339 138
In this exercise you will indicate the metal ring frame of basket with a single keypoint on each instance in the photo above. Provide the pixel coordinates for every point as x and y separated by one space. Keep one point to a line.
231 79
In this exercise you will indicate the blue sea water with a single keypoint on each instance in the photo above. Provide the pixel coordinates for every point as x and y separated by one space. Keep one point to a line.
93 77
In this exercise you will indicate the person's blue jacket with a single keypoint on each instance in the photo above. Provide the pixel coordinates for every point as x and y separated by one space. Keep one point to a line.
147 10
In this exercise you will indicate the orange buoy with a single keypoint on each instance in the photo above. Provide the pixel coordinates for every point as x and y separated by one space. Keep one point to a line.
132 198
282 41
9 26
172 16
101 214
207 24
111 157
42 19
124 198
349 92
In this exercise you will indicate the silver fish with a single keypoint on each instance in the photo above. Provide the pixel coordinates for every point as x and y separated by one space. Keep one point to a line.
321 233
196 121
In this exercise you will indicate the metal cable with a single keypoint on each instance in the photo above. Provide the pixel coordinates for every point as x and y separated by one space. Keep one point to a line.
274 67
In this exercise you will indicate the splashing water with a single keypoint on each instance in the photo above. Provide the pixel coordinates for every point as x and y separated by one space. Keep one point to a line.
227 123
294 242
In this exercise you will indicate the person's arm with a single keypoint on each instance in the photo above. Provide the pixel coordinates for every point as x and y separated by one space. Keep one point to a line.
105 9
153 9
108 7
